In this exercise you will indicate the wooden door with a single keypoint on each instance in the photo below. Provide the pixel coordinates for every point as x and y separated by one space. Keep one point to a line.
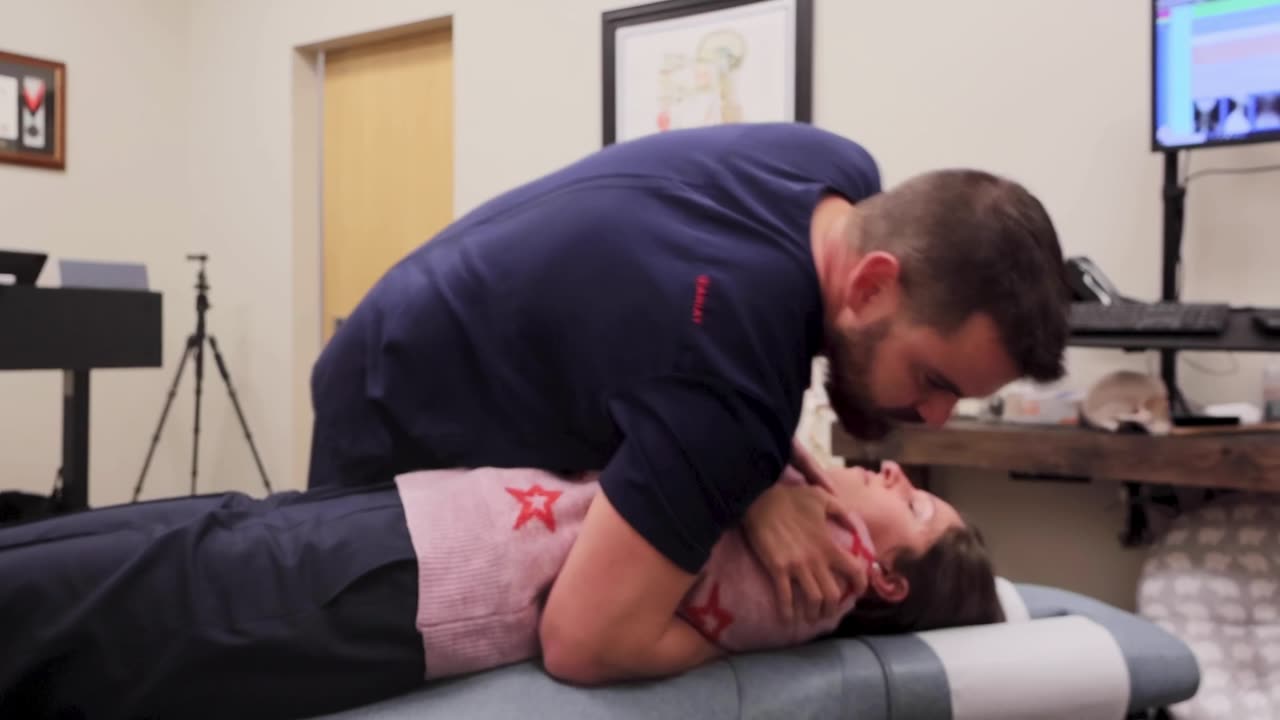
387 159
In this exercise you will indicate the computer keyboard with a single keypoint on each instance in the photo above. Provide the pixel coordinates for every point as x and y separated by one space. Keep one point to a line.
1162 318
1267 321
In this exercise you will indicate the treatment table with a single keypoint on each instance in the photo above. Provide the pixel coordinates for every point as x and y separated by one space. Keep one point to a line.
1060 655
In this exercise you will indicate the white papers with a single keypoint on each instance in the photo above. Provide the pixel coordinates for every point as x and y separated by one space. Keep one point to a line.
8 108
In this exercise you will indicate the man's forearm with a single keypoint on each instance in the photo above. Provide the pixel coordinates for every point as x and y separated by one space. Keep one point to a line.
678 649
611 613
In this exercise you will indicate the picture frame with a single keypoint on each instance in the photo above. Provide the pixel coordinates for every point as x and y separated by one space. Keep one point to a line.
33 111
688 63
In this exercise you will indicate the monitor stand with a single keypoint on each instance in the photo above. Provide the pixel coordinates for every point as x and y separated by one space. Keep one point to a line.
1137 528
1175 194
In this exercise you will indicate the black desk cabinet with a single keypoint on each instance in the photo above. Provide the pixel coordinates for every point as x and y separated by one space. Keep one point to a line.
77 330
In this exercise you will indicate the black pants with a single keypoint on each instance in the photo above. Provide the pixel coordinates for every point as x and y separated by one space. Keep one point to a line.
215 606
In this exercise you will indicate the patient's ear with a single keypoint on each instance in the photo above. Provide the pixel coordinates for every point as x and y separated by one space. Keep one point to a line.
890 586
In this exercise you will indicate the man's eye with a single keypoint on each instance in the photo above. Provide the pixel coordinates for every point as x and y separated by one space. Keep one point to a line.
926 386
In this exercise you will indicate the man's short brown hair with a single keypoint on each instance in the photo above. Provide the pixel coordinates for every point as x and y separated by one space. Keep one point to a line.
952 584
966 242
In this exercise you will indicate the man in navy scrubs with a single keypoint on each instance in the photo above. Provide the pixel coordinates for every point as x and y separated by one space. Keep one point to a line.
652 310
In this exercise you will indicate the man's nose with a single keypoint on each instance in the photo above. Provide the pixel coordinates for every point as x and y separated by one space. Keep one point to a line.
936 410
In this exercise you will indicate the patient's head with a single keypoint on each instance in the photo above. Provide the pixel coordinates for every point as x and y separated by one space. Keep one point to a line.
935 570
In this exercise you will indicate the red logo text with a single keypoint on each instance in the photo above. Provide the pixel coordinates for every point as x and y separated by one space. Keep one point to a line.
700 298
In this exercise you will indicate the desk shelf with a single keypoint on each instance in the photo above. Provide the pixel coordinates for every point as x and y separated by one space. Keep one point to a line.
1238 458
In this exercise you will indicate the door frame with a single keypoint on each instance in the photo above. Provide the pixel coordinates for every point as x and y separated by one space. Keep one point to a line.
308 212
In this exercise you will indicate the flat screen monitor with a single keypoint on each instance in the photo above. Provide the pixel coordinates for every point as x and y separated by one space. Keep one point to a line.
1215 72
21 268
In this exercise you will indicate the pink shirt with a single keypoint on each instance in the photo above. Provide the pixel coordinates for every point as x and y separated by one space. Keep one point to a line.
491 541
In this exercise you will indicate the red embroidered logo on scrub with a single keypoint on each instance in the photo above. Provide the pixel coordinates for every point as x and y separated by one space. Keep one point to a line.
700 297
536 503
710 618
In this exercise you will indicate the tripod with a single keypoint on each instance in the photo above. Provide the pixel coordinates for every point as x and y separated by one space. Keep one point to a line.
195 346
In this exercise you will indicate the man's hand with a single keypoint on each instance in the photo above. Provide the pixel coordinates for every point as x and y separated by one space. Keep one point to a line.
787 529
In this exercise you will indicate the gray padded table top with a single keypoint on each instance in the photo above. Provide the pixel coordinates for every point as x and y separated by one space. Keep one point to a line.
817 681
1074 657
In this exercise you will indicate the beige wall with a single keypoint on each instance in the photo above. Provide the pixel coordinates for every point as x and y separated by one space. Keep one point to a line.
123 197
526 101
1058 100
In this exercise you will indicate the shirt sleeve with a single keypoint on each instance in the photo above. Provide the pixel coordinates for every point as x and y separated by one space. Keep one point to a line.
693 456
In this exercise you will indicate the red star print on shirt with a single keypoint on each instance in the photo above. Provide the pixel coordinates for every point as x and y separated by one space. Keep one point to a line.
535 502
710 618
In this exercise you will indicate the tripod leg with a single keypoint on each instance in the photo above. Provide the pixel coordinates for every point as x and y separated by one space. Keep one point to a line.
195 435
235 402
155 438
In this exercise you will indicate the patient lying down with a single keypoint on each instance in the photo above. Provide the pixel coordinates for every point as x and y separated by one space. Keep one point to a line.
307 603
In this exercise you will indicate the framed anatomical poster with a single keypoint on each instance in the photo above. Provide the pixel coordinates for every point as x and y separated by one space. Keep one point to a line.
692 63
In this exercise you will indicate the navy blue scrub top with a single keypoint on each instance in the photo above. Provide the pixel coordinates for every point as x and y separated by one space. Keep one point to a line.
651 311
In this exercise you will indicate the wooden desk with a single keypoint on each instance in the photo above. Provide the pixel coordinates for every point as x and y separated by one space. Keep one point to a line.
1240 458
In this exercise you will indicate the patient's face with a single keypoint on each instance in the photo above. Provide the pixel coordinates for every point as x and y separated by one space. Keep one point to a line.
898 515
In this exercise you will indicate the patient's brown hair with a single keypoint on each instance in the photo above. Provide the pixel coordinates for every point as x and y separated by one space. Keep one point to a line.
951 584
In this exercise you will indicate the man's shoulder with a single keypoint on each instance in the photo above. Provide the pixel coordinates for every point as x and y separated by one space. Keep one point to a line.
791 148
800 133
844 163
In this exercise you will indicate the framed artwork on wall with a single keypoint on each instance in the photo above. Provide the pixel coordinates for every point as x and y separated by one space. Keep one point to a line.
33 111
691 63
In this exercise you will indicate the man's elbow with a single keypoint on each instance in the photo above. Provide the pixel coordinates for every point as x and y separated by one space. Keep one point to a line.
568 657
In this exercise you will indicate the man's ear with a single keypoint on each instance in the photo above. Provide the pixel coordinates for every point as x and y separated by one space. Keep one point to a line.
871 288
890 586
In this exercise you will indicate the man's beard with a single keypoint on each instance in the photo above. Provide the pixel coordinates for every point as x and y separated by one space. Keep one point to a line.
849 359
